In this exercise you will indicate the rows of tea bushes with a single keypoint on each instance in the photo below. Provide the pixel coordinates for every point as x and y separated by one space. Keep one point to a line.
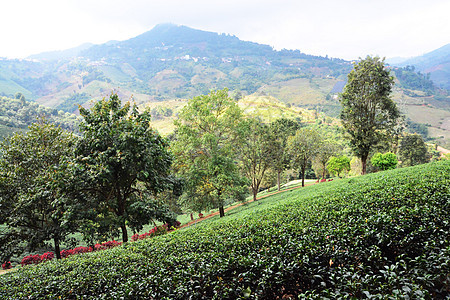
379 236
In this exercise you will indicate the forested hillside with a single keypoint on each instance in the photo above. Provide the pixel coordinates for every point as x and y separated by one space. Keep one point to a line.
171 63
17 114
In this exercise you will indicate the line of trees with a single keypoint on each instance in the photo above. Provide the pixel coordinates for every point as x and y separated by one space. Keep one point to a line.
120 174
53 183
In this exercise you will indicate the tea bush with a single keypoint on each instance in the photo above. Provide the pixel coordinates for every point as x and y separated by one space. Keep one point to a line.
378 236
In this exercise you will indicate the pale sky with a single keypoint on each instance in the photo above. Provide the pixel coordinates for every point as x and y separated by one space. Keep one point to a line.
338 28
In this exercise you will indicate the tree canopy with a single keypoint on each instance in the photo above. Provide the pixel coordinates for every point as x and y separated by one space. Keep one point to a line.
413 150
206 133
257 147
302 147
34 169
368 113
126 163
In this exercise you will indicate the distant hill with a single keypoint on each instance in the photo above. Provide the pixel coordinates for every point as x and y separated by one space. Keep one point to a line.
172 63
436 62
60 55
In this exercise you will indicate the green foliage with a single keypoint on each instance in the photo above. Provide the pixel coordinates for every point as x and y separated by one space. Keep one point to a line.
206 153
72 102
337 165
256 149
386 161
325 151
34 204
368 113
384 235
411 80
19 114
413 150
125 163
281 129
303 147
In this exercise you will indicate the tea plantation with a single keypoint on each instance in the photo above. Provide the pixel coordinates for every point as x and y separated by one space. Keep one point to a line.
379 236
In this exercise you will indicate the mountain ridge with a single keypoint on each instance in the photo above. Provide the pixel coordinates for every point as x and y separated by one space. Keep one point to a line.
172 62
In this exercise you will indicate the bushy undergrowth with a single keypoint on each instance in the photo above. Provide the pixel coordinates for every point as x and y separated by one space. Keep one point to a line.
378 236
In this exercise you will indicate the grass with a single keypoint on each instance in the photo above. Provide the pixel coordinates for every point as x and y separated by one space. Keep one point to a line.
379 236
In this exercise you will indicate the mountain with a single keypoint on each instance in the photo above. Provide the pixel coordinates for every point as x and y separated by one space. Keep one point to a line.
62 54
436 62
173 63
167 62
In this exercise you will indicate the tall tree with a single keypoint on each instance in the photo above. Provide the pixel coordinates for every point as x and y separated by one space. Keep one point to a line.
303 147
34 169
256 149
205 150
127 163
368 113
280 130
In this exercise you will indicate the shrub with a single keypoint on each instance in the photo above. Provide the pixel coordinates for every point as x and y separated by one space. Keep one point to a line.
381 236
31 259
6 265
47 256
80 250
66 253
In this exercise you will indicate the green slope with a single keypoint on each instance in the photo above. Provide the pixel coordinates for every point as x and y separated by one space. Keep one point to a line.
381 235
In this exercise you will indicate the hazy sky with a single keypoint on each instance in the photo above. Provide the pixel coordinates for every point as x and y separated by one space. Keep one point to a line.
339 28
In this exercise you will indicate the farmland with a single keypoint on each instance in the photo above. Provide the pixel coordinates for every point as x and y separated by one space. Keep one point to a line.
376 236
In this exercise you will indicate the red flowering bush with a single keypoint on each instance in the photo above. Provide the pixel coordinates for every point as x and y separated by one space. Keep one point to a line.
31 259
47 256
157 230
323 180
66 253
79 250
107 245
6 265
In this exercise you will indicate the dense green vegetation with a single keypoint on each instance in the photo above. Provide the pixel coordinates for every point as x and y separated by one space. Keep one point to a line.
376 236
415 81
17 114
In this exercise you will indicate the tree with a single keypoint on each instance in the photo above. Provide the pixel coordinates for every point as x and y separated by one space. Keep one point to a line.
386 161
413 150
256 148
302 148
34 169
126 163
281 129
368 113
207 132
336 165
326 150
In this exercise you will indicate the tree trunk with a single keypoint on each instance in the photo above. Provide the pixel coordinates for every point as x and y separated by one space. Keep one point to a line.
192 217
57 249
303 176
255 192
221 211
279 180
363 164
124 233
